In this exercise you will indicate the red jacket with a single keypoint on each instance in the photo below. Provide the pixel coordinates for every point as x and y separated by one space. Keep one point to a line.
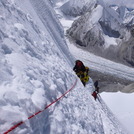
94 94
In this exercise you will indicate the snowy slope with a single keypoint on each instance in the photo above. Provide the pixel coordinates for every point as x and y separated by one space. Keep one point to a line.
121 106
29 65
36 68
118 102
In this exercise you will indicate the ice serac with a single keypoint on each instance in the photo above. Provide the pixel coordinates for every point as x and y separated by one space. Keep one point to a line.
103 30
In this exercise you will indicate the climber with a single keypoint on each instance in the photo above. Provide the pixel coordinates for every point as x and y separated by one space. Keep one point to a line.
96 86
96 91
94 94
81 71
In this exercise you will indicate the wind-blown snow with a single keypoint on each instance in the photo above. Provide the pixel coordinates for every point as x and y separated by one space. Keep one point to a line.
36 68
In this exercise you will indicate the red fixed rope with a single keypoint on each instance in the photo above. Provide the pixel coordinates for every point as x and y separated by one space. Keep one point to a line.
21 122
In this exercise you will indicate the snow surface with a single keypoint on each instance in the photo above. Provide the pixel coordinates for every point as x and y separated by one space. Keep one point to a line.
119 103
109 41
96 15
122 106
36 69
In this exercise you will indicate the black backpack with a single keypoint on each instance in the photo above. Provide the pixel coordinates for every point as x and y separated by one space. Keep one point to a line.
96 84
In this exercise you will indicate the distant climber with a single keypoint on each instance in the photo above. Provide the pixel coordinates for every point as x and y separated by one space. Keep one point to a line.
95 93
81 71
96 86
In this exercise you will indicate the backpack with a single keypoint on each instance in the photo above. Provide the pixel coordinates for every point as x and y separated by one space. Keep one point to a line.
84 76
96 84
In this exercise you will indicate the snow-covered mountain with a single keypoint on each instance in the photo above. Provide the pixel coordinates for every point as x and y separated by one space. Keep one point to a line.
36 69
77 7
125 13
105 30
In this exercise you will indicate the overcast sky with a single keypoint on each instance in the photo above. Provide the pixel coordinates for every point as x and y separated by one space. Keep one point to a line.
128 3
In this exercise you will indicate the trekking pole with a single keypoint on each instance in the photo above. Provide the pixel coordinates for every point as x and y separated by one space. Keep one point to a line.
98 97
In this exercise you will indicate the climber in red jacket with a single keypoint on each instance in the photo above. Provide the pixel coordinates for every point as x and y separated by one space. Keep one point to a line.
94 94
